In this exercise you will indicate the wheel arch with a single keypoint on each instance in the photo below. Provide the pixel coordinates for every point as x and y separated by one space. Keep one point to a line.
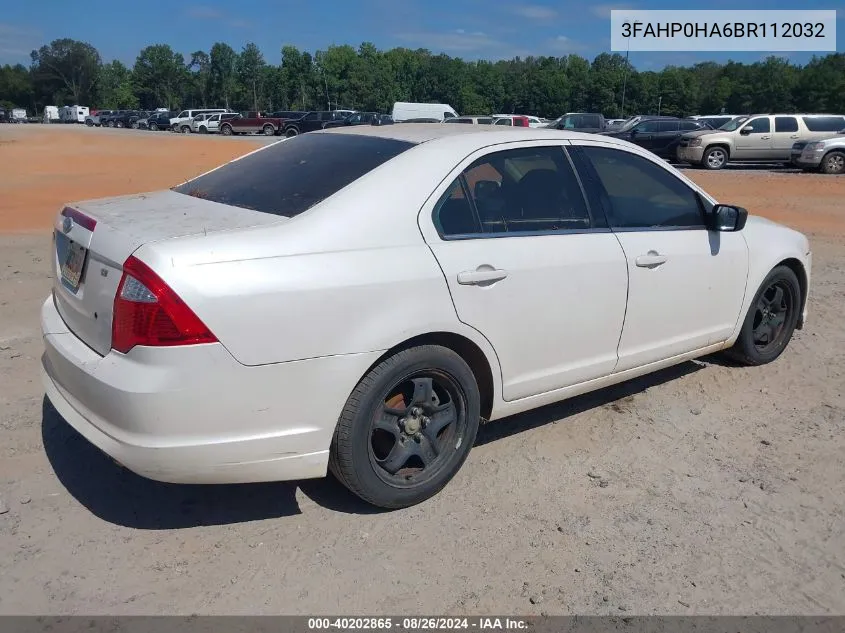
464 347
723 144
797 267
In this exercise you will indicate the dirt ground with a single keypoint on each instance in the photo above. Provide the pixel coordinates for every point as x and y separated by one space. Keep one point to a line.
720 491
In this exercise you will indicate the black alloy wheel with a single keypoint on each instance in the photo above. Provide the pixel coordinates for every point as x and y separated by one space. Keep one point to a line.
771 319
407 427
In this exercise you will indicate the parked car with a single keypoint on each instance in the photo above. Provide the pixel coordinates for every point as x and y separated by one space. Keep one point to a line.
533 121
211 123
360 118
311 121
826 155
182 121
172 345
108 120
254 122
157 121
515 120
129 118
760 138
660 136
403 110
93 118
588 122
715 121
471 119
194 123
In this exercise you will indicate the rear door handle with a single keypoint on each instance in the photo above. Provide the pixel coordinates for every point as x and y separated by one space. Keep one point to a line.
765 138
795 136
652 260
477 277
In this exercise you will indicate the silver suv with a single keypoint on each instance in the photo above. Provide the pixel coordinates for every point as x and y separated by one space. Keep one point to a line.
759 138
826 155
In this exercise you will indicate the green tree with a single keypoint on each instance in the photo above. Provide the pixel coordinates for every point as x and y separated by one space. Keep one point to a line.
66 70
251 73
115 87
223 78
16 88
160 76
200 67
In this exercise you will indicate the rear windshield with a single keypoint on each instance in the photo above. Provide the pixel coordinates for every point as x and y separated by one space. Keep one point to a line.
293 175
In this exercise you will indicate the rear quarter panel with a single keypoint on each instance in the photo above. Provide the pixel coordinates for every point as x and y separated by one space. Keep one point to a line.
350 275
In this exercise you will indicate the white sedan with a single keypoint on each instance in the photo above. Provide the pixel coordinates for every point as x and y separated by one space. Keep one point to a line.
360 299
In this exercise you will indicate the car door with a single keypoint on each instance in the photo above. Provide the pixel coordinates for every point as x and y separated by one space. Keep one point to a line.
686 283
529 266
667 132
213 123
754 139
784 136
643 134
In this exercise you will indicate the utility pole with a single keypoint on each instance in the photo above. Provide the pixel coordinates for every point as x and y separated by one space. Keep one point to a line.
625 78
659 103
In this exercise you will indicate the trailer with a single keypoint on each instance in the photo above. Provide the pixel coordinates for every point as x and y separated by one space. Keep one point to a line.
19 115
73 114
50 114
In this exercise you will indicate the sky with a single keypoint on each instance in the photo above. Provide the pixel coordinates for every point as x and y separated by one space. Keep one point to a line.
471 29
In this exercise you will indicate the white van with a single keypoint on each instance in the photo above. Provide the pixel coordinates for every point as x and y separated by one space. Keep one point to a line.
402 111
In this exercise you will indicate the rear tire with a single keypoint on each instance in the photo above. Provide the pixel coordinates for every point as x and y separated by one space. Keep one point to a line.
89 123
407 428
834 163
268 130
185 129
226 130
771 319
153 127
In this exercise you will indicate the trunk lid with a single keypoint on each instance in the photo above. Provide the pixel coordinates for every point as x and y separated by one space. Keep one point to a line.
92 239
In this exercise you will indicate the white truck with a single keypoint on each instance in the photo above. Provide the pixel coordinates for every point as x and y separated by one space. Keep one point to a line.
405 111
73 114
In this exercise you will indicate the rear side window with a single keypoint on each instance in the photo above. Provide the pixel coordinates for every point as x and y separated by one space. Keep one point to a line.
687 126
824 123
786 124
292 176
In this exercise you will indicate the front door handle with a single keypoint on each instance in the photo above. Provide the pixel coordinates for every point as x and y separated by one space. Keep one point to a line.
652 260
795 136
482 276
765 138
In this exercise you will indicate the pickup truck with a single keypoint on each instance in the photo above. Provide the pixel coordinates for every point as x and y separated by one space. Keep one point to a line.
258 122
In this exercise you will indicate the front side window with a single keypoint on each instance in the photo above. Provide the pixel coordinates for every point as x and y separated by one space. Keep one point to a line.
758 126
312 116
182 115
528 190
648 127
636 193
786 124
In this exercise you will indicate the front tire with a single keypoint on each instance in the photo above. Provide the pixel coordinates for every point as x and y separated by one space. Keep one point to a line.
291 132
185 129
771 319
715 158
226 130
153 127
407 427
834 163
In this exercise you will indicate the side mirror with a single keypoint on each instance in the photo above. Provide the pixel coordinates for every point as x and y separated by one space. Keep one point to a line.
745 131
634 132
727 218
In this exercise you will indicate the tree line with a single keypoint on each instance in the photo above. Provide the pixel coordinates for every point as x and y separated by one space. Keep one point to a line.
67 72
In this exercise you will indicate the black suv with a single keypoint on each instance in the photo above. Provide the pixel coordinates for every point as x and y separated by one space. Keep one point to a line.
659 135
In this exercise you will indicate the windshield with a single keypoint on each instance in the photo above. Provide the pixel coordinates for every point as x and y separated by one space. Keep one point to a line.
293 175
731 125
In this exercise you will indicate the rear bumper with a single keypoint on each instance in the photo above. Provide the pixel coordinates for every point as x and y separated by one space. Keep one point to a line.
194 414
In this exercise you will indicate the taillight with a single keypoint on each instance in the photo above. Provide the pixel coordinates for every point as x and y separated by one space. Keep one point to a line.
148 312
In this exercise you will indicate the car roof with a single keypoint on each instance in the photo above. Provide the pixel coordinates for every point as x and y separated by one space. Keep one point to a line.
480 136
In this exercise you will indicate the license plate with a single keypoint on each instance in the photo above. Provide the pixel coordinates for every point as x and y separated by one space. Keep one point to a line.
72 263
